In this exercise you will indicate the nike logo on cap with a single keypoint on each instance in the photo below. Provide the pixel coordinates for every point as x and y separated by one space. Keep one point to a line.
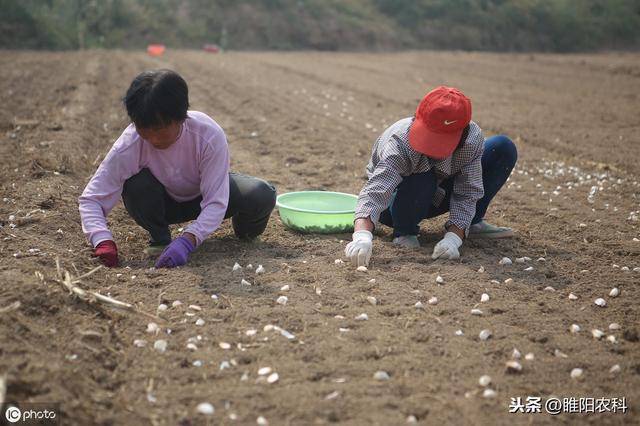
447 123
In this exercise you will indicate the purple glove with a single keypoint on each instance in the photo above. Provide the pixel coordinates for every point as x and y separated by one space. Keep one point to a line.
176 253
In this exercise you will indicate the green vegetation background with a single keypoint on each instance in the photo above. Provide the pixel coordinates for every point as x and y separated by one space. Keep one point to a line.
500 25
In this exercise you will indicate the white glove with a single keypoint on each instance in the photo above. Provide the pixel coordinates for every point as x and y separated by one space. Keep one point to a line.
359 250
448 247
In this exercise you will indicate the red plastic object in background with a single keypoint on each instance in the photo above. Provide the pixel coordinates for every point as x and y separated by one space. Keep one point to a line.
155 49
211 48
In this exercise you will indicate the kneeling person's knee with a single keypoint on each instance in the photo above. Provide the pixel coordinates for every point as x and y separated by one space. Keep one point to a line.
264 196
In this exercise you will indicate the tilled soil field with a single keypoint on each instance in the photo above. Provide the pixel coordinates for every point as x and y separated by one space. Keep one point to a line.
308 121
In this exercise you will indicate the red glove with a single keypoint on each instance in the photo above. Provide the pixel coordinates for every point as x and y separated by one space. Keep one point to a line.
108 253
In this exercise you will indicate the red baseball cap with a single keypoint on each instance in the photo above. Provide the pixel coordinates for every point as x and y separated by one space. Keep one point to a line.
439 122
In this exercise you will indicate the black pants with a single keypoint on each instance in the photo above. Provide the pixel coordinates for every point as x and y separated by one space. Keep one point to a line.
251 201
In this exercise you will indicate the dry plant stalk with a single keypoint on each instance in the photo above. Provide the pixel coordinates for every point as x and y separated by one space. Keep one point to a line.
3 389
64 279
12 307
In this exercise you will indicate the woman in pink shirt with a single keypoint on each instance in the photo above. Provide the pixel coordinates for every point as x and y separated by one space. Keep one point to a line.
171 165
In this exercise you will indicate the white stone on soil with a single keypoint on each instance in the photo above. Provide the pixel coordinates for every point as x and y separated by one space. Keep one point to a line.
484 297
614 292
505 261
282 300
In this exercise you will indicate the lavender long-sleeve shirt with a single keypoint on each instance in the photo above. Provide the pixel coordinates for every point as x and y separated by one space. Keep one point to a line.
196 164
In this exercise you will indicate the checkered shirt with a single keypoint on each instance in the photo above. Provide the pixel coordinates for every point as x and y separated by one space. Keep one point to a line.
393 157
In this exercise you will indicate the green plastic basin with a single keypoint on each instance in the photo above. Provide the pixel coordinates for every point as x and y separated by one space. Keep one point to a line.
317 212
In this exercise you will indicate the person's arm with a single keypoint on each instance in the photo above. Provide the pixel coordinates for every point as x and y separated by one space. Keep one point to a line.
214 187
374 198
467 190
102 194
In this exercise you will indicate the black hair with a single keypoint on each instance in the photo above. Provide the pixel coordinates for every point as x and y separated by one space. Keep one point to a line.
156 98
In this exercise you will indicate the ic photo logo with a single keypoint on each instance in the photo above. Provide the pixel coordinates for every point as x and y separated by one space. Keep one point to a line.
31 414
13 414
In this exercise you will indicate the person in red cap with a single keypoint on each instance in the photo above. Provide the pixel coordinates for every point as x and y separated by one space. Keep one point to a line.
426 165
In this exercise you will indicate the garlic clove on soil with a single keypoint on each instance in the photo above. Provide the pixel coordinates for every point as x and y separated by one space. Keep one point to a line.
205 408
362 317
439 280
484 381
361 269
505 261
245 283
282 300
614 292
573 296
372 300
260 269
576 373
381 375
513 367
600 302
476 312
160 345
484 297
264 371
484 334
236 267
574 328
489 393
433 301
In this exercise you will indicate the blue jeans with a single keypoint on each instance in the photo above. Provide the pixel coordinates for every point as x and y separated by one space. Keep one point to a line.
412 199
